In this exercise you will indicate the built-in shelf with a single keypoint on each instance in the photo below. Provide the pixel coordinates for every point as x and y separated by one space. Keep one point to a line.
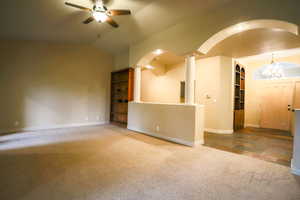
121 94
239 97
122 81
120 113
116 102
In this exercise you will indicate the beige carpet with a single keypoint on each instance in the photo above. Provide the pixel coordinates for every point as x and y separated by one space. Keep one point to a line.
110 163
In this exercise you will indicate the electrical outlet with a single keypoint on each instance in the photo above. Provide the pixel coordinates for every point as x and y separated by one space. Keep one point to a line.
87 118
17 123
98 118
157 128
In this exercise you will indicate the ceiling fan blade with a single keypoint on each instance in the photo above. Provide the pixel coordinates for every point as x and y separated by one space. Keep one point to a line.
112 22
119 12
88 20
77 6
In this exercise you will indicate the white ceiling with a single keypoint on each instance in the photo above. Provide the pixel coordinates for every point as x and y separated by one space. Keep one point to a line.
51 20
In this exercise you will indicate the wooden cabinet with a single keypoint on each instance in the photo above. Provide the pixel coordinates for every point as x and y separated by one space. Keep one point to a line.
239 98
121 94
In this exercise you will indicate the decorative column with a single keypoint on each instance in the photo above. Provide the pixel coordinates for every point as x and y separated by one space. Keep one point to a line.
137 84
190 77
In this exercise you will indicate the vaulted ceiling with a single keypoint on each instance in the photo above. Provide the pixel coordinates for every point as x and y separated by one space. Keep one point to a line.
51 20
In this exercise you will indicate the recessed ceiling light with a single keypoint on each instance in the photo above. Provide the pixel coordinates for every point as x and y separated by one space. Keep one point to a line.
158 52
149 67
241 27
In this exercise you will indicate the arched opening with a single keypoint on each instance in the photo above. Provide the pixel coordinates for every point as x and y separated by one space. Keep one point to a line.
276 25
257 108
224 67
157 109
159 77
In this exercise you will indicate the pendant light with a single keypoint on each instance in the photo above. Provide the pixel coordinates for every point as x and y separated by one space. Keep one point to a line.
277 70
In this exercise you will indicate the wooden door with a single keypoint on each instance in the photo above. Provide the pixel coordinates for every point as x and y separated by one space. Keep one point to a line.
297 96
276 97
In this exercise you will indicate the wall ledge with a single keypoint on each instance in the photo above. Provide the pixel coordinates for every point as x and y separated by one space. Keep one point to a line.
219 131
294 170
175 140
40 128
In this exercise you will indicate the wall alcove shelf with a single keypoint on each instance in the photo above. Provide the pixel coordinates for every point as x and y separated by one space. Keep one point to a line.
121 94
239 97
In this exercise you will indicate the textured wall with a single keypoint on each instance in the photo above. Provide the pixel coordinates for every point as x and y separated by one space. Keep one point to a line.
44 85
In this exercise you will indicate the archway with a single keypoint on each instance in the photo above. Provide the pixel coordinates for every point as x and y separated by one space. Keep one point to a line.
153 76
216 85
246 26
258 101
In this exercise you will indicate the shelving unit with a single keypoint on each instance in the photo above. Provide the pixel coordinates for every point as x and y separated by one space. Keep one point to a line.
121 94
239 97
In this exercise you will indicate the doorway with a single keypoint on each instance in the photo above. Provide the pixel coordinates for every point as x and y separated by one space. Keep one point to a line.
276 105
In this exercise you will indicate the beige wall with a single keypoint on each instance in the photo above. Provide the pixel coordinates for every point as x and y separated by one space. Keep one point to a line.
214 78
45 85
175 122
162 87
121 60
254 87
214 89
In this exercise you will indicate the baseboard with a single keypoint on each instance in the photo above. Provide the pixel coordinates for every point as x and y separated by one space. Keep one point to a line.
252 125
294 170
175 140
219 131
40 128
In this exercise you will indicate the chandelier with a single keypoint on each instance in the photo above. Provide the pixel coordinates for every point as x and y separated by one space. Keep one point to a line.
277 70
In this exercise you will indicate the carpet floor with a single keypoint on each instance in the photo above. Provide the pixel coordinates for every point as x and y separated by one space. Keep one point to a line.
112 163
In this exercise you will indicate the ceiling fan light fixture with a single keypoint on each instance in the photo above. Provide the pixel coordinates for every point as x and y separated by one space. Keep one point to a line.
100 13
100 16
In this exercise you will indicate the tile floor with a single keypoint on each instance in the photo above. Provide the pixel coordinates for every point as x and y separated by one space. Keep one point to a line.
265 144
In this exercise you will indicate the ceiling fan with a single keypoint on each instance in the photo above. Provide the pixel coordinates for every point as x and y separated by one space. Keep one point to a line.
100 13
